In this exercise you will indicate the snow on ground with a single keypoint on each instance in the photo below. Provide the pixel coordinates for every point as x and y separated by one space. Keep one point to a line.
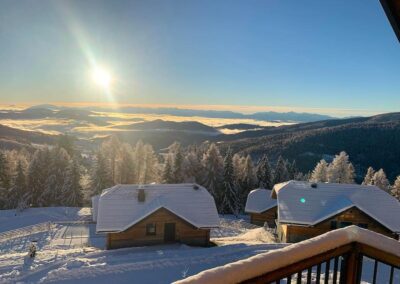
71 252
12 219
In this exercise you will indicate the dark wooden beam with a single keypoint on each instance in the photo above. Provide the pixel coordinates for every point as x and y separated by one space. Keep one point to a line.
392 10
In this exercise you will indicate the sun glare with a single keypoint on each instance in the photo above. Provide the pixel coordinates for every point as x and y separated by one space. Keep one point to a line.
101 77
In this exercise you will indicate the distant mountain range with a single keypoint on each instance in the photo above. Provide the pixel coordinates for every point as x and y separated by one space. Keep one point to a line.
264 116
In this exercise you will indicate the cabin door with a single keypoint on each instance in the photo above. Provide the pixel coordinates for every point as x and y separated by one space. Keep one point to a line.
169 232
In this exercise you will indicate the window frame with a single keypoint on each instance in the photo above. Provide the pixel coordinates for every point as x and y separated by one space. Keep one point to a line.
149 227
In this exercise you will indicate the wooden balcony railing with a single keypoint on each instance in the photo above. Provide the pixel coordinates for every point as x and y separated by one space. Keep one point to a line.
347 255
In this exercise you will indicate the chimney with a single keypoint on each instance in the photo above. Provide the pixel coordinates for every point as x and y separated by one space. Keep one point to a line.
141 195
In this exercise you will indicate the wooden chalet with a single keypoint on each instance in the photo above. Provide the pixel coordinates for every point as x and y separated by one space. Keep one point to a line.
306 210
137 215
261 207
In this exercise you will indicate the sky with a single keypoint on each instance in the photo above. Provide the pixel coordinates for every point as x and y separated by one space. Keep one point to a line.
335 57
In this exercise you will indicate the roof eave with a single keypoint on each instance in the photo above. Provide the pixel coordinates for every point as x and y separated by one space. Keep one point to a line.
392 10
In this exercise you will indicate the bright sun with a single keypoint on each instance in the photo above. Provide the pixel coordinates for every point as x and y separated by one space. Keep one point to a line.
101 77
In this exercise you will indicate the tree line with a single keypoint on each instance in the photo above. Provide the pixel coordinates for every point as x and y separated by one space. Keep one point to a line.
62 176
341 170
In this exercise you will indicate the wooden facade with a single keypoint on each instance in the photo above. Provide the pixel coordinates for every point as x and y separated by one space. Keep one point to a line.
269 216
162 226
290 233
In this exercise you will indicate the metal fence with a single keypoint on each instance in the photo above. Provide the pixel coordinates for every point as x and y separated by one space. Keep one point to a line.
25 231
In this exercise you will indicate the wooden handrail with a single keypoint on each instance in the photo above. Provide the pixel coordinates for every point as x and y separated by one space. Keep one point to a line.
341 251
354 252
291 269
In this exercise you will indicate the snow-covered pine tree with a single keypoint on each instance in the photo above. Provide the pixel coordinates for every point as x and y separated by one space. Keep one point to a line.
238 162
177 170
192 167
5 181
126 165
320 172
264 173
368 179
111 152
380 180
139 160
341 170
213 169
101 177
52 194
72 190
150 169
248 180
396 188
281 172
230 199
38 172
19 188
167 175
292 170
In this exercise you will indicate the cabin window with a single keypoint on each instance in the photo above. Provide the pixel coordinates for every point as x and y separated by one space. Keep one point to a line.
151 229
333 225
363 225
345 224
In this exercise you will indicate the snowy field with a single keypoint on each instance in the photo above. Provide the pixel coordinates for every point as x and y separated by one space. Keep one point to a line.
69 251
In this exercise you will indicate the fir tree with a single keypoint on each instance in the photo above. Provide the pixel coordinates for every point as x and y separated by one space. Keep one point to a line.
101 178
150 170
368 179
380 180
264 173
213 169
341 170
281 173
396 188
5 180
292 170
38 174
72 190
139 160
52 193
126 166
167 174
178 164
320 173
111 152
18 191
192 167
247 180
230 197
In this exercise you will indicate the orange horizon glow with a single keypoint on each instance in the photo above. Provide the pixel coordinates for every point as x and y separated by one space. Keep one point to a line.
245 109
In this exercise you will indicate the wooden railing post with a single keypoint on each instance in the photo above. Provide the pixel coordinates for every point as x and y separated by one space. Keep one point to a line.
353 264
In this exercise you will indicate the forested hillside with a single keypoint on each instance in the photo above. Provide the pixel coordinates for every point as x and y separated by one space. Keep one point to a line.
372 141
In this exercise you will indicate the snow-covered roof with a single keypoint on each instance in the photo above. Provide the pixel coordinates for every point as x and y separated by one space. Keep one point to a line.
311 203
266 262
259 200
119 207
